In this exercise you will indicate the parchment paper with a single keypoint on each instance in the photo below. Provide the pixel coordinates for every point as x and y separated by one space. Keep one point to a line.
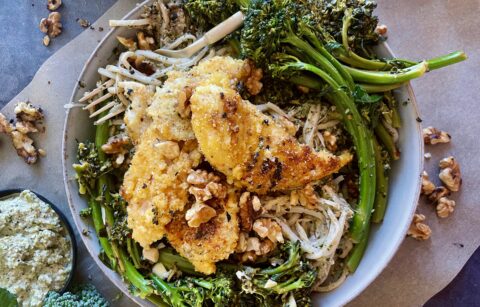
446 99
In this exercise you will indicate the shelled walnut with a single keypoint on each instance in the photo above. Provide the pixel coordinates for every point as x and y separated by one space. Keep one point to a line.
51 25
445 207
450 173
427 186
419 230
434 136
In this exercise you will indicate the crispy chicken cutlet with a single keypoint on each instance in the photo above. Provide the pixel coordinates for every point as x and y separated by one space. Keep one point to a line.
252 149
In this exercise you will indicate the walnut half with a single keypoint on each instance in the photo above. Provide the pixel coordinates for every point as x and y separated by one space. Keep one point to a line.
198 214
418 230
268 228
445 207
427 186
450 173
51 25
434 136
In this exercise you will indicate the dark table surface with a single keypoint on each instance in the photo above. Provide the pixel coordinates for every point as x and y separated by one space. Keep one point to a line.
22 53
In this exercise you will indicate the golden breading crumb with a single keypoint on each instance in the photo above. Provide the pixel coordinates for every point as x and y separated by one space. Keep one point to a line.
418 230
51 25
268 228
198 214
432 136
252 83
445 207
242 242
450 173
307 196
438 193
427 186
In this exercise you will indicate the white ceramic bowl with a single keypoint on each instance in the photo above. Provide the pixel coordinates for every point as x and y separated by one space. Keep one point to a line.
384 240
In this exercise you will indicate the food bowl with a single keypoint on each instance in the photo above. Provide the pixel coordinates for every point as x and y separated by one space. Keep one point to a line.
65 225
385 238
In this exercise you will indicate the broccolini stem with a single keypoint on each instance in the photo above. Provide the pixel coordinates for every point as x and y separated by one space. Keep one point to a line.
357 252
319 59
353 58
133 252
380 88
135 278
362 139
98 225
307 82
388 77
380 204
169 259
387 141
445 60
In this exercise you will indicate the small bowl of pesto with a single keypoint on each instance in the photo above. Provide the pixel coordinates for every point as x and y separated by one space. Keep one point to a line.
37 247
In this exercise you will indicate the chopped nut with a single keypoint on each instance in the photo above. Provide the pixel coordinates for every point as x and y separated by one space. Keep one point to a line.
242 243
419 230
20 139
266 227
24 111
270 284
46 40
331 141
427 186
128 43
308 197
256 204
198 214
51 25
201 178
116 144
217 190
83 22
434 136
183 103
450 173
145 43
246 212
160 270
201 194
42 152
438 193
253 244
151 254
445 207
427 155
381 29
53 5
248 257
168 149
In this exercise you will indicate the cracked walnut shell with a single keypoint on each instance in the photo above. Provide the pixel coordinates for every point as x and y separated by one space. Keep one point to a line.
418 230
450 173
445 207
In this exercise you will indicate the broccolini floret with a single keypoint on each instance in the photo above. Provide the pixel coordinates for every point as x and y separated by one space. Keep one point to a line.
82 296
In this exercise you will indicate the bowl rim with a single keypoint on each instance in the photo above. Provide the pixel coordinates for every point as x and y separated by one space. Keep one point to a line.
348 298
65 223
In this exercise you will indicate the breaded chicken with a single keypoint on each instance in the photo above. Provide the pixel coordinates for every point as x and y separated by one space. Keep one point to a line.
136 118
155 185
250 148
212 241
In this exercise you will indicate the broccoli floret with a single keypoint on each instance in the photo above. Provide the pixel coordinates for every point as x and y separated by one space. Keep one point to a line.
89 167
82 296
86 212
295 276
